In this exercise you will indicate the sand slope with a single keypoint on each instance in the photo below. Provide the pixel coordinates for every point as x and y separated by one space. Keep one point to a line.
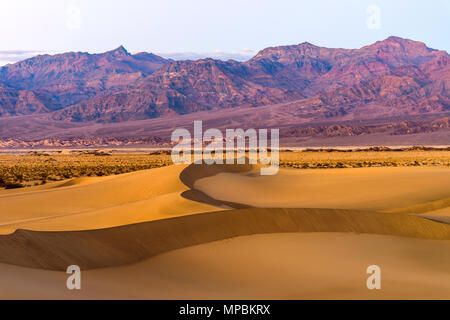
131 243
402 189
164 233
270 266
100 202
92 203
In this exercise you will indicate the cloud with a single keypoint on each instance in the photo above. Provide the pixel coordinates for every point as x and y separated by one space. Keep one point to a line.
242 55
12 56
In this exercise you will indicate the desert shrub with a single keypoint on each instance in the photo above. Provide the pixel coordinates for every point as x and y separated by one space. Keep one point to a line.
13 185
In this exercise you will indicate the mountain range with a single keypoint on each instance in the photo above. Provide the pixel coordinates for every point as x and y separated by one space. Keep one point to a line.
394 78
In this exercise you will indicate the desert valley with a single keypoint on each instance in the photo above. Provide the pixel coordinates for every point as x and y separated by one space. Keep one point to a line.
224 231
87 177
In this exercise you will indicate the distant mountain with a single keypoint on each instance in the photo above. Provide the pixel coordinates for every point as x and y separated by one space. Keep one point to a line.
178 88
313 69
22 102
391 77
68 78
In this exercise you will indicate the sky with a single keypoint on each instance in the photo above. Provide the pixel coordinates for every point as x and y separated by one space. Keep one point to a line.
223 29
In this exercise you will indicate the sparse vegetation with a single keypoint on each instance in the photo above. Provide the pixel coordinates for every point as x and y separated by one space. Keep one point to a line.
370 157
36 168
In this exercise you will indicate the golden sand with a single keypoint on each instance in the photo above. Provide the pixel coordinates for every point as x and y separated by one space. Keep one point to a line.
164 233
270 266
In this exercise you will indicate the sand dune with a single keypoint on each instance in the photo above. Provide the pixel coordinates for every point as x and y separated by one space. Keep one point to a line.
155 233
99 202
434 217
131 243
269 266
381 189
289 266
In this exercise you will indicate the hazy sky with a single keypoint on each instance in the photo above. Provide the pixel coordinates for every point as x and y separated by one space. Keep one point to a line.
219 28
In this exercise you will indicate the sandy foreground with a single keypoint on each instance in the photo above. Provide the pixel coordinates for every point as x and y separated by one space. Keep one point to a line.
204 232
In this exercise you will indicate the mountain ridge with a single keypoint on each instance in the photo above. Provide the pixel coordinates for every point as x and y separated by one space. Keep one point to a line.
392 77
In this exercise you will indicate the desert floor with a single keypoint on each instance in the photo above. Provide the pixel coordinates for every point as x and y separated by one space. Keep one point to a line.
226 232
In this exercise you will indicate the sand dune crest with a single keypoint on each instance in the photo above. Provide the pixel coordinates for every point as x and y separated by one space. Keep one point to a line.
131 243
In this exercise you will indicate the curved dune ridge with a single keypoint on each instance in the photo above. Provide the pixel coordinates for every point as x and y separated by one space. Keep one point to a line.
103 202
311 265
388 189
131 243
99 202
122 219
193 172
110 223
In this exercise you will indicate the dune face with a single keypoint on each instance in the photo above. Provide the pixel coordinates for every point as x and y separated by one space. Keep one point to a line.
99 202
131 243
270 266
312 234
381 189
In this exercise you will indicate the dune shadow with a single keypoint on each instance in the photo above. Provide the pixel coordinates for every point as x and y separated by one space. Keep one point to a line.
132 243
195 172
